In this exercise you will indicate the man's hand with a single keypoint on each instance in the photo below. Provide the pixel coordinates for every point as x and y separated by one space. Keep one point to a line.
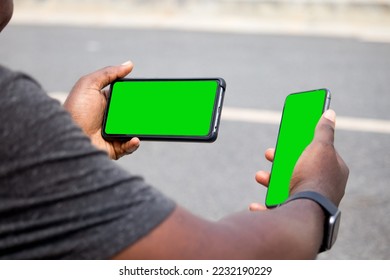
319 168
87 102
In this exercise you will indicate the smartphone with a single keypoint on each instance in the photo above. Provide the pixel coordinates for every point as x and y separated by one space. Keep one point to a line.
300 116
164 109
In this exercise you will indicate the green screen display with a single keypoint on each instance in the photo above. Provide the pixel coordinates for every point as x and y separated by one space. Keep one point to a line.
162 107
301 114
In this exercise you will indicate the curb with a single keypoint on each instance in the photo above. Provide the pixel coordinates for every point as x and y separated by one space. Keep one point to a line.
180 4
363 19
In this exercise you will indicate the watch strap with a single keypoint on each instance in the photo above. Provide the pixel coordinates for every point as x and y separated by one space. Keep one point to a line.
330 210
321 200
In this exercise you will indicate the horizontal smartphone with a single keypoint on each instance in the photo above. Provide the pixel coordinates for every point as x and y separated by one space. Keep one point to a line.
300 116
164 109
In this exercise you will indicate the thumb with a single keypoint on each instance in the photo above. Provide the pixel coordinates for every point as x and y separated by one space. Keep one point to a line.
326 127
103 77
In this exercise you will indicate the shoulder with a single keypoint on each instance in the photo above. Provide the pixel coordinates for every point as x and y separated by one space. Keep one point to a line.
19 91
32 123
12 79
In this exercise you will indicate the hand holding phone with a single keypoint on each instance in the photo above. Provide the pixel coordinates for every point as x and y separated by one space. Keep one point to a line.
164 109
301 114
86 104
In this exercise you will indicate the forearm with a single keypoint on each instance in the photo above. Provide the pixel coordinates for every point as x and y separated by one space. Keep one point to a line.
293 231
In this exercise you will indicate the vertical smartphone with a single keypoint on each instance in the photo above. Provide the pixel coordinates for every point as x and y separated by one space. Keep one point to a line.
300 116
164 109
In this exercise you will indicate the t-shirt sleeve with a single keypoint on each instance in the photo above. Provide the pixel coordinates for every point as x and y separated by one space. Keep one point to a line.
61 198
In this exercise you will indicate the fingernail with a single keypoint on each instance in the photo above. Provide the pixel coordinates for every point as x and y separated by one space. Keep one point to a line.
127 62
330 115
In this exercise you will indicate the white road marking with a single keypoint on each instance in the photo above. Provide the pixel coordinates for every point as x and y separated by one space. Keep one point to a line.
60 96
363 125
273 117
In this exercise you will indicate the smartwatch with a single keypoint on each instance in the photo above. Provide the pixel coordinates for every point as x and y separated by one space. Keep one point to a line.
332 216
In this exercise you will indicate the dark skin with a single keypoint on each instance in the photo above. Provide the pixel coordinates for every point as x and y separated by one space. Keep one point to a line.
86 103
293 231
6 10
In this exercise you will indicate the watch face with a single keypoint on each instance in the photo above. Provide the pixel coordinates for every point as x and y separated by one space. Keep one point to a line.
334 223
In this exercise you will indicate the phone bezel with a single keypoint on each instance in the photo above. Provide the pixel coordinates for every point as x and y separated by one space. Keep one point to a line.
214 124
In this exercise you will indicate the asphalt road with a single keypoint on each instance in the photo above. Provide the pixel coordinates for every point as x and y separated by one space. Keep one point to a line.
216 179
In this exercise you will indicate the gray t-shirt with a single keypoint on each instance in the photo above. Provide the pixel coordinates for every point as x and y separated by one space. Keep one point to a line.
61 198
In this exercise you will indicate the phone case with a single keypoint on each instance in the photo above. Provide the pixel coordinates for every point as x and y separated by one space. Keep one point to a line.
278 189
214 127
